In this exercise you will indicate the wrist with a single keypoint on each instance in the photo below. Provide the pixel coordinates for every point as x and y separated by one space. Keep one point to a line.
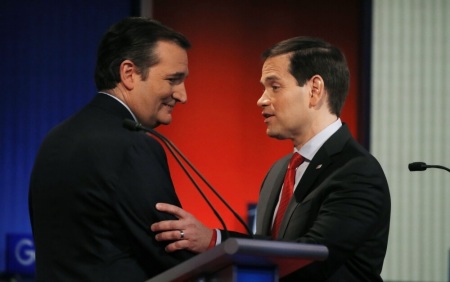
212 243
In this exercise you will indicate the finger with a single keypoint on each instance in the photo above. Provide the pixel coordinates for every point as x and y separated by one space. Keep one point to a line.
173 235
166 225
176 246
172 209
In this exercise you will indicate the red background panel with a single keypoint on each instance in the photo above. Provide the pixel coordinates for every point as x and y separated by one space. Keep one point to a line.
221 129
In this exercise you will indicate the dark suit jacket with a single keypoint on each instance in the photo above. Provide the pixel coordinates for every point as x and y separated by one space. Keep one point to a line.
92 199
342 202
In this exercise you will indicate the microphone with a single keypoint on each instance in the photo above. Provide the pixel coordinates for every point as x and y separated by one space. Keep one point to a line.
136 126
421 166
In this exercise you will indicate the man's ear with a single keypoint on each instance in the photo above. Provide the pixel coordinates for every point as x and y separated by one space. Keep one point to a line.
317 93
127 74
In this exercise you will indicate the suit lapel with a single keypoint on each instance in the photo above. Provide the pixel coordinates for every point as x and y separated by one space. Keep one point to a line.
321 161
318 164
269 194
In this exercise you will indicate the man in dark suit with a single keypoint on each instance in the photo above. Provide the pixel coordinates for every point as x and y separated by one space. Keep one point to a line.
95 184
337 194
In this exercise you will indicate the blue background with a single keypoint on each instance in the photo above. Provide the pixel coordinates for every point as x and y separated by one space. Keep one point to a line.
20 254
48 50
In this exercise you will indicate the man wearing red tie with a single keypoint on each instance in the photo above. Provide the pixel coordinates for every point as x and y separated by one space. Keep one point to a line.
330 191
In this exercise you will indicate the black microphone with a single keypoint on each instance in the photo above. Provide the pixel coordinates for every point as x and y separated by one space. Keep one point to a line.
135 126
421 166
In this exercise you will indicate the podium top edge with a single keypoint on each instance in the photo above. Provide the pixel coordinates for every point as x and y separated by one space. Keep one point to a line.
275 248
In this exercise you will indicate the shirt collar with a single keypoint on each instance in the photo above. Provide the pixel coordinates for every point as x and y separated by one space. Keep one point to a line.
309 150
120 101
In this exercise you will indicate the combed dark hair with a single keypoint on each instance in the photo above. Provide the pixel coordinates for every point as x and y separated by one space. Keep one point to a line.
134 39
312 56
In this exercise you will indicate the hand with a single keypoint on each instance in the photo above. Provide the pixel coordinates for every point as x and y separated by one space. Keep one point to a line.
187 232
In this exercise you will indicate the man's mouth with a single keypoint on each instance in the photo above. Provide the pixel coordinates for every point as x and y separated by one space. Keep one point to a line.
267 116
168 105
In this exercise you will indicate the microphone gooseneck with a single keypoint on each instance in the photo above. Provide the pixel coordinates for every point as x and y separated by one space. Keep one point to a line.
135 126
421 166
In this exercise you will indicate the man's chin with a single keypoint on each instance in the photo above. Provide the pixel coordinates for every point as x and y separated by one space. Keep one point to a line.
274 134
271 134
155 124
163 122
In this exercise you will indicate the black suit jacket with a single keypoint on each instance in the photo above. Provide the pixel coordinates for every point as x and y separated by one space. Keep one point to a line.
92 199
342 202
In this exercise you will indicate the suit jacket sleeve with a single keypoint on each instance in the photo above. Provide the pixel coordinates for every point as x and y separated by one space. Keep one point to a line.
142 180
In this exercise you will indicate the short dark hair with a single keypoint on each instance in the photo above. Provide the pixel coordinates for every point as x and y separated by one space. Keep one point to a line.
133 38
311 56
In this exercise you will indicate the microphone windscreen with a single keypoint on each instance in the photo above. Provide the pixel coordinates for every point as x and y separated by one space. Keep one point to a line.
417 166
130 124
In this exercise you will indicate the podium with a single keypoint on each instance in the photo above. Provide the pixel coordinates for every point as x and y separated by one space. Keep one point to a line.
245 260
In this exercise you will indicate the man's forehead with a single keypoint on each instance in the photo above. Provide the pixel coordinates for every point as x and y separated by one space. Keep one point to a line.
274 68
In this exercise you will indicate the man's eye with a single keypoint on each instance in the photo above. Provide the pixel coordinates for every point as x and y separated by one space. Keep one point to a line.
174 80
275 87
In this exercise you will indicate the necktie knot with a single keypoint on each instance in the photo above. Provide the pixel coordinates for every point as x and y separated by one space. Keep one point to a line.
295 161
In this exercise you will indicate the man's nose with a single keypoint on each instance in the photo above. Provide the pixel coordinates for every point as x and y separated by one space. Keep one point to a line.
263 100
180 93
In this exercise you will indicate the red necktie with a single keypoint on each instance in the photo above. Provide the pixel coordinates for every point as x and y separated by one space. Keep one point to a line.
286 194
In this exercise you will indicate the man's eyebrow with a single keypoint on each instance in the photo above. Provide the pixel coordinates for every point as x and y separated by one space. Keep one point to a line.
270 78
178 74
